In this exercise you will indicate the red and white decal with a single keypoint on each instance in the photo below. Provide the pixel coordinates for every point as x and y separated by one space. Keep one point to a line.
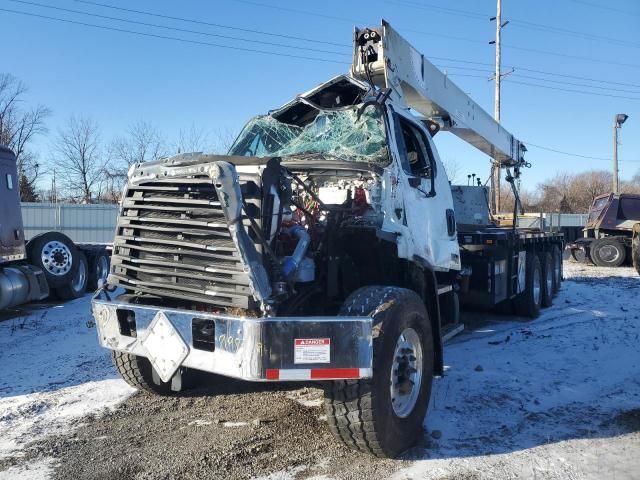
312 350
292 374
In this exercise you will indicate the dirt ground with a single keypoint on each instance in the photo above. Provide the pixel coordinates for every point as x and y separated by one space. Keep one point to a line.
555 398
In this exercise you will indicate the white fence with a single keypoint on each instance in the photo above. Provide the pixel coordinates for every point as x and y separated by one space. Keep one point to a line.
551 221
97 223
82 223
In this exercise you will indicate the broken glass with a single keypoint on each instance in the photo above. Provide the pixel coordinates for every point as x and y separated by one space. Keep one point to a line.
337 134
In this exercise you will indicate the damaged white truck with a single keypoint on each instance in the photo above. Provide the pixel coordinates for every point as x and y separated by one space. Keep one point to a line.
328 245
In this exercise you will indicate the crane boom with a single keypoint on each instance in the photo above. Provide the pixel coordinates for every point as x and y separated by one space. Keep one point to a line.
384 58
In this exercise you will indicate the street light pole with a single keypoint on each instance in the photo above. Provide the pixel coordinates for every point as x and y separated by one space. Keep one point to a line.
615 158
619 120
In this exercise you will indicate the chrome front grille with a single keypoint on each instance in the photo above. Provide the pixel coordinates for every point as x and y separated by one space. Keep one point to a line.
172 240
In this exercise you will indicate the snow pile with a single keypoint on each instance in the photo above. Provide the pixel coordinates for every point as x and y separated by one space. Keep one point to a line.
526 399
53 373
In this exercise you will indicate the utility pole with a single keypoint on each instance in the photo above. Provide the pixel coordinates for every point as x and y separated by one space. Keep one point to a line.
619 120
495 167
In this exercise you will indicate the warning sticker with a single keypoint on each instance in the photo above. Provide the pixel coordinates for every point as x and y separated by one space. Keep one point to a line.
312 350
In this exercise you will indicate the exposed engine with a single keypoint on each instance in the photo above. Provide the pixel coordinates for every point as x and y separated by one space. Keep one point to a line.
250 235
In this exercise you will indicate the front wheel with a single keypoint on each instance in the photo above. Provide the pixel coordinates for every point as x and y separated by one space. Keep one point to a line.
138 372
384 415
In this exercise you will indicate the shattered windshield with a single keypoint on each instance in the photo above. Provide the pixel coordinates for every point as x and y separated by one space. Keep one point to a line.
338 134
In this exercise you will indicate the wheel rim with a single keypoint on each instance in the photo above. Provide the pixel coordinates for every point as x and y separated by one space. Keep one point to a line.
556 268
549 280
80 279
406 373
536 286
102 269
56 258
608 253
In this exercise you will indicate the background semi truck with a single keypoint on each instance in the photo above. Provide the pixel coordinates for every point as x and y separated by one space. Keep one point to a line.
49 263
608 233
328 245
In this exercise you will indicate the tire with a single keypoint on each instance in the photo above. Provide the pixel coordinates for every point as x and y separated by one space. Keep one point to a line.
77 287
527 303
558 273
361 413
635 249
567 254
138 372
608 252
579 255
99 263
55 254
546 261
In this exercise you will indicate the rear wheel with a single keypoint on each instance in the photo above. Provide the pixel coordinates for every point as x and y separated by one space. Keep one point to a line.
527 303
77 287
56 255
383 415
546 260
557 268
608 252
579 255
98 269
635 248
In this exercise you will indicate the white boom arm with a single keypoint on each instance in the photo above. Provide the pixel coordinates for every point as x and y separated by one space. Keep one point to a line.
384 58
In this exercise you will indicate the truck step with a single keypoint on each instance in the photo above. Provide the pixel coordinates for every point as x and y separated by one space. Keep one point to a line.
450 331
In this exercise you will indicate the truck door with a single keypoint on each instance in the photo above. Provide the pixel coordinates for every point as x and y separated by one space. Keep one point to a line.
429 210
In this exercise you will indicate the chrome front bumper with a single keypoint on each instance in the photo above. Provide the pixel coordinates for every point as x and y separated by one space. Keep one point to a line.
255 349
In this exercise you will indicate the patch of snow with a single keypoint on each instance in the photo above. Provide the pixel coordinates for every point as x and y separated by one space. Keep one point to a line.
53 373
235 424
37 470
540 404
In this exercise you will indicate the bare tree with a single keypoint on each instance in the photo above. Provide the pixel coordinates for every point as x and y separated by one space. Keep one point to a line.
142 142
192 139
573 193
18 127
77 158
453 169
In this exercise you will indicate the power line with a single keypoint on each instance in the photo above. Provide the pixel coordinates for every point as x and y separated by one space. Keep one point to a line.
166 37
571 90
183 40
529 144
513 74
515 21
175 29
262 32
543 72
211 24
607 7
550 87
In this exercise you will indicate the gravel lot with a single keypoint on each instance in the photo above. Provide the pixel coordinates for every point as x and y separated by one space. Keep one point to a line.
558 397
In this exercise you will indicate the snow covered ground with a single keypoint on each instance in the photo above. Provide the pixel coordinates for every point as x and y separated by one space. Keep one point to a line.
52 372
558 397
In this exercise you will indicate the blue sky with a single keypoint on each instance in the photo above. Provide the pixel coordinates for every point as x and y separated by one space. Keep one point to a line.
119 78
